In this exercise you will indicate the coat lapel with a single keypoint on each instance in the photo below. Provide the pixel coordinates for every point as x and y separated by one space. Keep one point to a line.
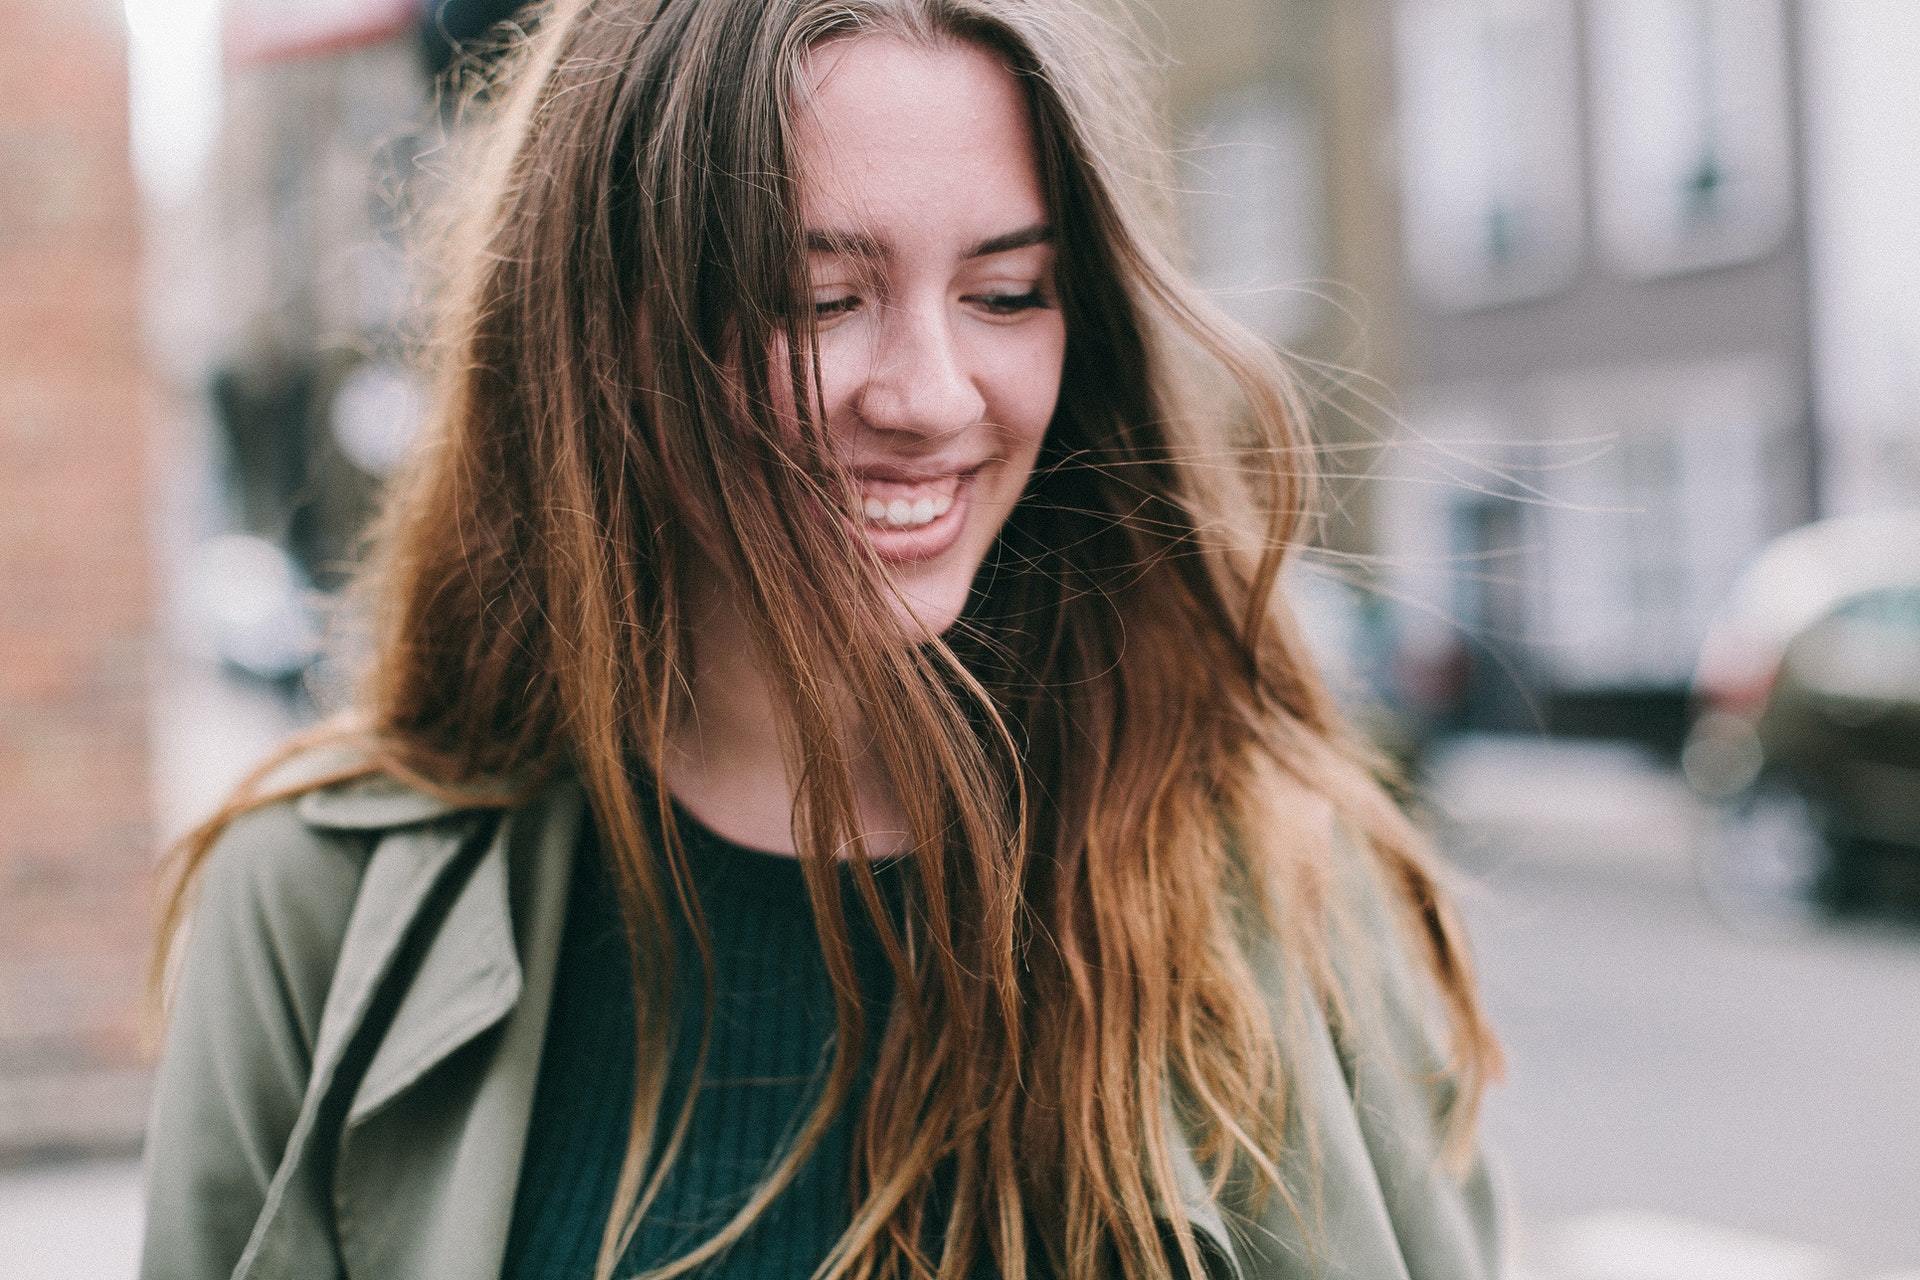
453 932
430 1152
467 979
402 871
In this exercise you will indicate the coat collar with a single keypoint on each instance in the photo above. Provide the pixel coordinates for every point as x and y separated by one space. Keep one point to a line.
376 803
373 802
454 935
486 903
424 880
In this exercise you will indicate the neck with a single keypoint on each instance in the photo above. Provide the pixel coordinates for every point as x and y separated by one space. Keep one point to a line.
726 761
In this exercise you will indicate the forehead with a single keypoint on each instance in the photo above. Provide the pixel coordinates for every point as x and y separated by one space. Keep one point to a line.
914 144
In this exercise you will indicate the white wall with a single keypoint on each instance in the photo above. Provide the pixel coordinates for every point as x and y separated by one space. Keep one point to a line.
1863 85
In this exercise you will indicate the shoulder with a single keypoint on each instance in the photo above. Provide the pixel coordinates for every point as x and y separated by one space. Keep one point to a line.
1374 1078
1388 1010
271 871
1411 1076
279 883
276 898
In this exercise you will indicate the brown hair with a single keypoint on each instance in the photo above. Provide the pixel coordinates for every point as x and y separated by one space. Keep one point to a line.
1121 771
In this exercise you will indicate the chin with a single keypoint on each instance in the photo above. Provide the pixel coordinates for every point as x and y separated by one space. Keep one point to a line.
930 609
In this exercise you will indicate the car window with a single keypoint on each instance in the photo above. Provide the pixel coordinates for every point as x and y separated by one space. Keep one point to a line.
1896 609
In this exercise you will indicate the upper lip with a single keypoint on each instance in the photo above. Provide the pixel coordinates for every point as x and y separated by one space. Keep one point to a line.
902 474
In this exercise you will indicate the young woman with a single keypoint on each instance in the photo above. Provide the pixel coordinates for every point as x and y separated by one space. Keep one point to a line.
836 790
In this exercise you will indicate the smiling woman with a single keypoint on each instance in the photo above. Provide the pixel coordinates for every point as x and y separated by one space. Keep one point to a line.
835 790
939 342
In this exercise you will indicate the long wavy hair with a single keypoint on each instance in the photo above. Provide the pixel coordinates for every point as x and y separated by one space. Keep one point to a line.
1122 775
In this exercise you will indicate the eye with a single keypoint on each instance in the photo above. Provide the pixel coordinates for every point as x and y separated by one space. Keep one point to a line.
824 308
1010 304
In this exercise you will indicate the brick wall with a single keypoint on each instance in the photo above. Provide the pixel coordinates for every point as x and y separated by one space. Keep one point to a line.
75 586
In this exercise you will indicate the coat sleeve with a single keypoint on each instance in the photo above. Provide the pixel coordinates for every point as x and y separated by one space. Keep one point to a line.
1370 1194
273 900
1449 1222
1449 1219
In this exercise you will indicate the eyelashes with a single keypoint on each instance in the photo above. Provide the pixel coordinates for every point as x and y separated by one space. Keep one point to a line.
1007 304
998 304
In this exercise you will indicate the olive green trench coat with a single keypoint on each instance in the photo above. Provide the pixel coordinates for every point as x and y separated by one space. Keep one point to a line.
357 1026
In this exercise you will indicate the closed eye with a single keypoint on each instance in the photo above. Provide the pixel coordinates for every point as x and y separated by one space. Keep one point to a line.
1007 304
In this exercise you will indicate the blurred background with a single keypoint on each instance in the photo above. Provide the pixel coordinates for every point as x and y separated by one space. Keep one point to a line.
1611 310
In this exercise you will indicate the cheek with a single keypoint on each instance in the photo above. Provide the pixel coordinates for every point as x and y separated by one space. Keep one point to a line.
838 377
780 380
1029 388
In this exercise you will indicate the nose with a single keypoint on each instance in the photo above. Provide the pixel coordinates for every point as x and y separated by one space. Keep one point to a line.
918 380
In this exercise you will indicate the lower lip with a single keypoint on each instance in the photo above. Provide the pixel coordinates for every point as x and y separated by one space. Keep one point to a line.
927 541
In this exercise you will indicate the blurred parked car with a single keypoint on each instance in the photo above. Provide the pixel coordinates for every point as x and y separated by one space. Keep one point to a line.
1806 728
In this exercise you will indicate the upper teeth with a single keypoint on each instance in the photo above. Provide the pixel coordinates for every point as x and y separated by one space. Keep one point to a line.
898 513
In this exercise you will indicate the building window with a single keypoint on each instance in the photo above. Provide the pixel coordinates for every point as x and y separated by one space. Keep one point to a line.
1579 534
1489 148
1684 475
1254 202
1691 137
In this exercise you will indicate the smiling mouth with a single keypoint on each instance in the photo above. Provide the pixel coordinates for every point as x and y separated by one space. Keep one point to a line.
891 503
915 519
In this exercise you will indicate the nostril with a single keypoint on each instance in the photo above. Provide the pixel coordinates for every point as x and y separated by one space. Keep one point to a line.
919 382
923 410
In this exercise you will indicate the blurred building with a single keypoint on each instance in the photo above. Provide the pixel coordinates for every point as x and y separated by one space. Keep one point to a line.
1606 333
76 588
1863 145
243 324
305 261
299 363
1276 110
1593 298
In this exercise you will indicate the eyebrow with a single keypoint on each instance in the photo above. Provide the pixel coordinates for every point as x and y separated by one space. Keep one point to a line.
854 244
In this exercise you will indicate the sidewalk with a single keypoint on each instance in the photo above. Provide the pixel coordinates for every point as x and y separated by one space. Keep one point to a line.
71 1221
1633 1245
1514 803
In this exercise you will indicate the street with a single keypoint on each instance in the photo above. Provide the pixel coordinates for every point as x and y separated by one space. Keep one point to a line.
1686 1098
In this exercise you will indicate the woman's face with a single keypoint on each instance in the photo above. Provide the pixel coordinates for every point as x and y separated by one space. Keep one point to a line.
940 338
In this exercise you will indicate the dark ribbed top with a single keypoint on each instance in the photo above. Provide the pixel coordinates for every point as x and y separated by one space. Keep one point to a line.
773 1021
